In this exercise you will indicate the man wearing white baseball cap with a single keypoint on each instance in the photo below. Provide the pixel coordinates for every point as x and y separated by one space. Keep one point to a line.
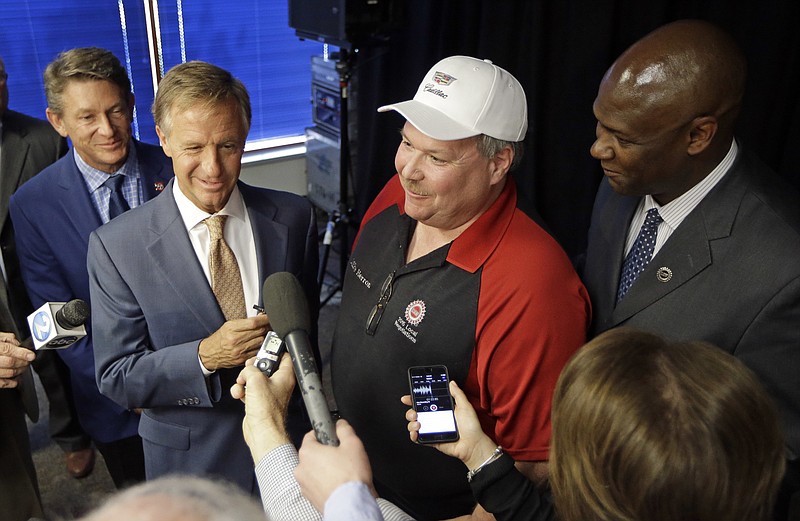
447 269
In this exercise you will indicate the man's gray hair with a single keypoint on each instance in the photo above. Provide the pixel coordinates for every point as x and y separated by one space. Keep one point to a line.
490 147
181 498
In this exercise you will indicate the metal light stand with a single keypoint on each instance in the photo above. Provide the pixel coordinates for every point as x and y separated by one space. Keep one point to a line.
339 220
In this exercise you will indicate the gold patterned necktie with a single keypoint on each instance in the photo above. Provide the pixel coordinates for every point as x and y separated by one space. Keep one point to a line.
226 280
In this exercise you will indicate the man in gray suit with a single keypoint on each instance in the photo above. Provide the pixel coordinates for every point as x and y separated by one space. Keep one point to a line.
719 260
169 335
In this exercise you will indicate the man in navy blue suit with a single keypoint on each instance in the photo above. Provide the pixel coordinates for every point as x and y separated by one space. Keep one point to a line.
90 101
171 330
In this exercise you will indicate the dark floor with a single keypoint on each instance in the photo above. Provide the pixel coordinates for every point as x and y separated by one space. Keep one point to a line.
66 498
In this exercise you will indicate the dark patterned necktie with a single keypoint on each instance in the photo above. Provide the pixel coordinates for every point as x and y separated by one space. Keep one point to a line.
116 202
641 252
226 279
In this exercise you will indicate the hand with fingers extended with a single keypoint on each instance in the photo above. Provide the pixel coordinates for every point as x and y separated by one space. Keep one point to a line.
14 360
234 342
473 445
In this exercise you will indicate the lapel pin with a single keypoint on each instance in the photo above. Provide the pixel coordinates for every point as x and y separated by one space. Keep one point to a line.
664 274
159 186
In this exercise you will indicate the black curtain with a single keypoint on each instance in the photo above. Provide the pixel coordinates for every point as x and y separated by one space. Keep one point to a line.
559 50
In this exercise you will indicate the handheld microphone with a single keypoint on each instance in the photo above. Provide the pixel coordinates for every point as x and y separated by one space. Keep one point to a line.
57 325
287 308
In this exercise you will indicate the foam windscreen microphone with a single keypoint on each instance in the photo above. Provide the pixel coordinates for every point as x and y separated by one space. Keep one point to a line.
57 325
74 314
286 305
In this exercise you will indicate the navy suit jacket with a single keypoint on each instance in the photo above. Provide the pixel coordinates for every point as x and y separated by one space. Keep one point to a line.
152 305
735 264
53 215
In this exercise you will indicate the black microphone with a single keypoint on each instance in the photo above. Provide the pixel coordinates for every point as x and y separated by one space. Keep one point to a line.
287 308
74 314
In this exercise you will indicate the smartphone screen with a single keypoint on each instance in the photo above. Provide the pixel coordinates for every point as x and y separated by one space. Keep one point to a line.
430 394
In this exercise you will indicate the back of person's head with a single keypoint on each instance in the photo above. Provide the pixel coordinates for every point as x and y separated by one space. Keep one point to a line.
82 64
180 498
198 84
649 430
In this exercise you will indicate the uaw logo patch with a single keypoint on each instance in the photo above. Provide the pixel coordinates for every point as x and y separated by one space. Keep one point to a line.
442 78
412 317
415 312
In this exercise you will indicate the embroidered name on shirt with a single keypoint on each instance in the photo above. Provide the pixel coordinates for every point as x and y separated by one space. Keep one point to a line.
359 275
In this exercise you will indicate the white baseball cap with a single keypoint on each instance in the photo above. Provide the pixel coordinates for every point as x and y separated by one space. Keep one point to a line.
462 97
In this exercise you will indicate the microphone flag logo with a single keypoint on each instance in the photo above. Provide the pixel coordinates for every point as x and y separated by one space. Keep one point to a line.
41 326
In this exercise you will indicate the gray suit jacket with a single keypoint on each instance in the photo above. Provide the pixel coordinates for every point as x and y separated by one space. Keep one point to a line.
151 306
735 263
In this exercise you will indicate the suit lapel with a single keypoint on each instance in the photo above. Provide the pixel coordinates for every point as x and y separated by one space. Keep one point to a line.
171 248
11 167
610 222
76 203
271 238
688 250
615 242
684 255
154 176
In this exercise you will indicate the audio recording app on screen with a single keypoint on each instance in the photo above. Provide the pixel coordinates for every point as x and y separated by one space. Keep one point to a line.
432 400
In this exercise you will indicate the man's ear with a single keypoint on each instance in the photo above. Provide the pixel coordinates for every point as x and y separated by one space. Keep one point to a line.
701 134
501 164
131 103
162 139
57 122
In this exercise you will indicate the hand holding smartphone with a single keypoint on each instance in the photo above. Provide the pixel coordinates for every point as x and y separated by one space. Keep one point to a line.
431 399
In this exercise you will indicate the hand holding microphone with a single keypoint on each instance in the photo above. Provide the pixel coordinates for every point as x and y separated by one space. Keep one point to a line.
287 309
266 401
14 360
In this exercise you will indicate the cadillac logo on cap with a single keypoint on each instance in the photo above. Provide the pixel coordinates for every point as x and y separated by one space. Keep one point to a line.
442 78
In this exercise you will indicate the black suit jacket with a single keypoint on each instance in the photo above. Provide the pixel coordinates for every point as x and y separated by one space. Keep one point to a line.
28 146
735 264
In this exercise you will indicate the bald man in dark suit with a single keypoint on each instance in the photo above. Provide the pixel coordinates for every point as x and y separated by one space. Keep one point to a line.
692 237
